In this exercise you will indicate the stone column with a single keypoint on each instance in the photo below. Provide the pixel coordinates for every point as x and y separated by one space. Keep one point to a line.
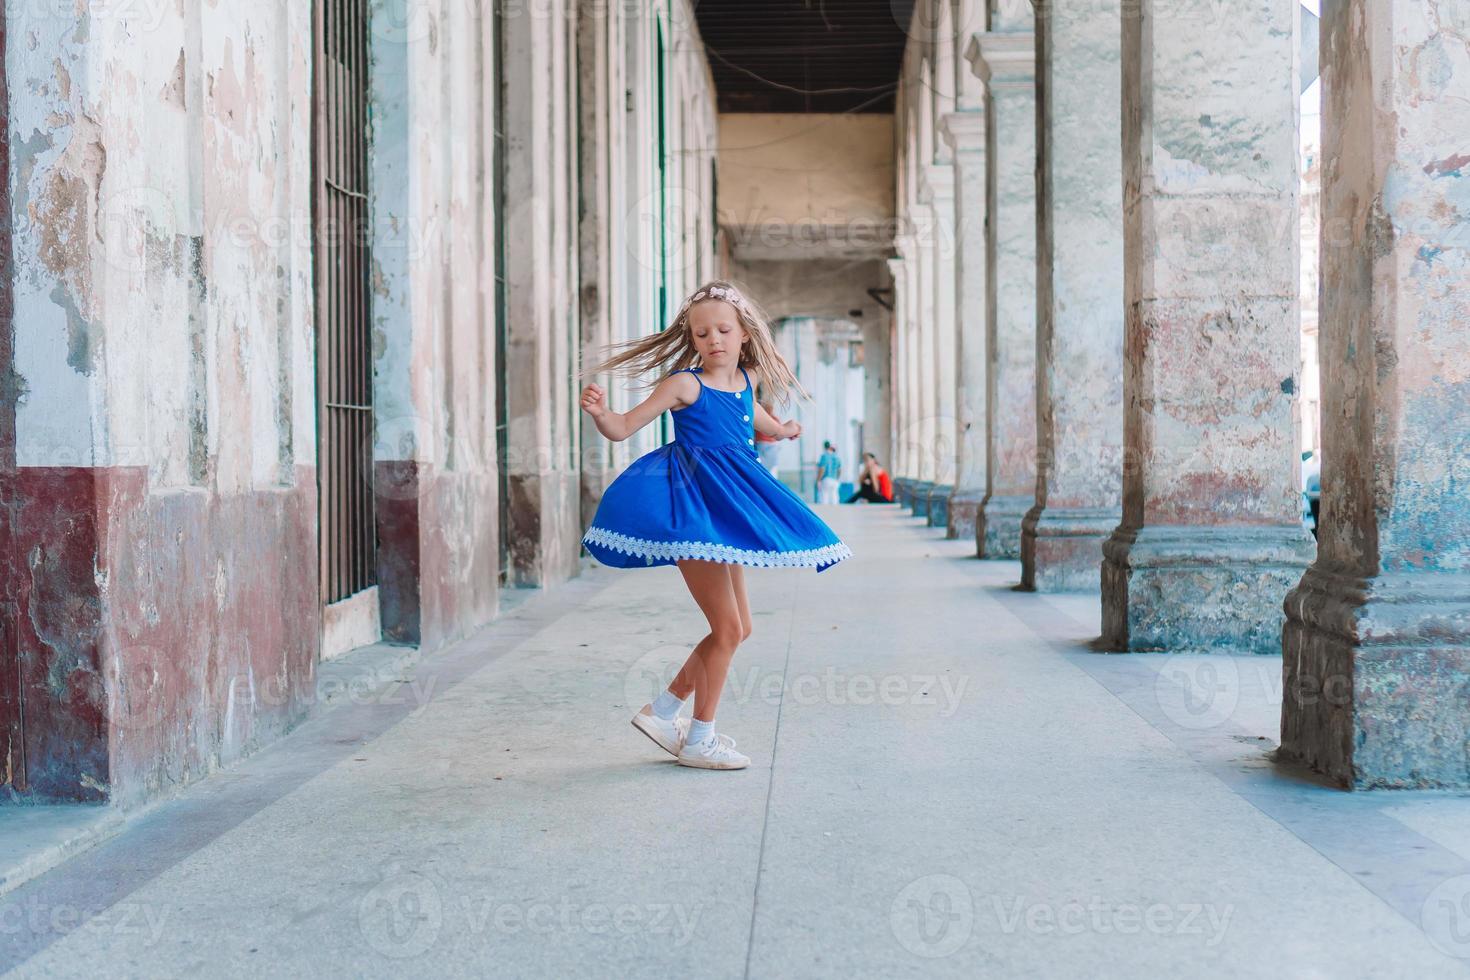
965 131
900 465
1377 638
1079 296
969 19
545 507
1005 61
942 447
1211 537
907 441
922 291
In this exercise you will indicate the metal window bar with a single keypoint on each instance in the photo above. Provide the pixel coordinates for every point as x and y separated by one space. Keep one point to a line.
342 241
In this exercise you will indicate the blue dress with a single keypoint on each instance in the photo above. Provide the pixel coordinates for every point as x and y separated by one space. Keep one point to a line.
706 495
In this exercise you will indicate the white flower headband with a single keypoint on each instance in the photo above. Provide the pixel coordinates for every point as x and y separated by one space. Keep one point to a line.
725 293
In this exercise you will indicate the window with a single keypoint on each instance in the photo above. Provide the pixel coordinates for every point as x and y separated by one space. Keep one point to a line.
342 242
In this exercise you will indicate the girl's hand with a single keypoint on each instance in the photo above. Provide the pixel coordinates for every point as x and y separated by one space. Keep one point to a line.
594 400
790 429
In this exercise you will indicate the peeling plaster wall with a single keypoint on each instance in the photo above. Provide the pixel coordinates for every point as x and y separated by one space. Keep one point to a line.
57 167
1397 290
162 277
965 131
1214 272
1079 329
1211 538
161 203
1007 62
1377 639
434 384
544 505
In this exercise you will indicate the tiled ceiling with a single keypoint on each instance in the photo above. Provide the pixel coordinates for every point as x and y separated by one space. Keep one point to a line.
804 55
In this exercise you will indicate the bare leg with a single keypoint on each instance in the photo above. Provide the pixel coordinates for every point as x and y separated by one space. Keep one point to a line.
704 672
683 684
737 582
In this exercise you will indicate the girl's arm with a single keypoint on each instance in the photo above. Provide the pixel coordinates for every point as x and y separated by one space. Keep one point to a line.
764 422
675 391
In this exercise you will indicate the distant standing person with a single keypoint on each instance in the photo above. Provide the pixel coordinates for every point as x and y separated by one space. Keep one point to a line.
829 467
875 486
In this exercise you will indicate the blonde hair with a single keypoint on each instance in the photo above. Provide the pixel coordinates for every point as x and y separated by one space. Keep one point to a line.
672 349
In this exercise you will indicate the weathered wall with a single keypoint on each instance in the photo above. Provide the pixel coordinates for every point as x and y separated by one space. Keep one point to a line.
434 381
1079 327
543 443
161 599
164 434
12 759
1377 639
938 197
965 131
1211 538
1005 58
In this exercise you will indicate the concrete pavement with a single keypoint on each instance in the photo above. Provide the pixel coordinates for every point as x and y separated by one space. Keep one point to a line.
946 780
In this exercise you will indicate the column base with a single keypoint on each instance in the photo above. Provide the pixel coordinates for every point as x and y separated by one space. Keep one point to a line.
964 511
1207 589
902 490
1061 548
939 506
1376 679
919 497
998 526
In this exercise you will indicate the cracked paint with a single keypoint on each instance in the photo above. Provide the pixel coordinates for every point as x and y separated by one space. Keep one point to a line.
1385 606
163 305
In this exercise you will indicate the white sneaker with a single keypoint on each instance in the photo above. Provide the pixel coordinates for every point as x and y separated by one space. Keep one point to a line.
715 752
668 733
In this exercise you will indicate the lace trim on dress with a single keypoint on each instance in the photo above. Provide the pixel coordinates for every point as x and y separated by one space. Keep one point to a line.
642 547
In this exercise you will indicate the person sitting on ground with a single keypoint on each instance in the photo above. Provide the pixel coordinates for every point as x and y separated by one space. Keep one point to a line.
876 486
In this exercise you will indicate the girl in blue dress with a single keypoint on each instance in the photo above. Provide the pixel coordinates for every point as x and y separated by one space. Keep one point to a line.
704 502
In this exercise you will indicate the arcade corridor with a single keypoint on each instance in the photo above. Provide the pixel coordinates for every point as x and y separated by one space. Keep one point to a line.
946 781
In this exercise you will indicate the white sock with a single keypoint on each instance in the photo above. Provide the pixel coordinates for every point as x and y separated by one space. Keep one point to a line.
667 705
699 731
